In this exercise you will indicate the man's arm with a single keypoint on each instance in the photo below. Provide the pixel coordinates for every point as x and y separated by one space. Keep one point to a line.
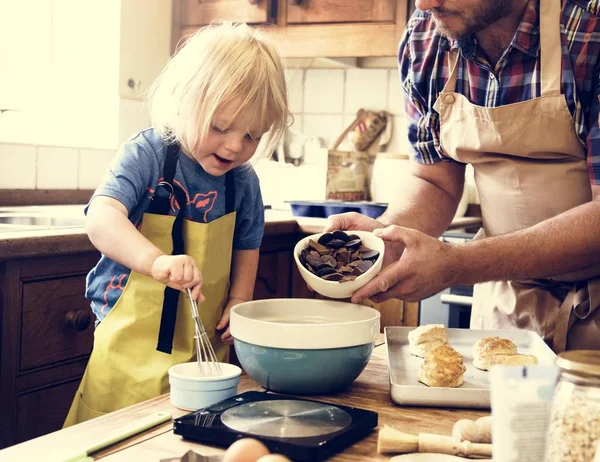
428 201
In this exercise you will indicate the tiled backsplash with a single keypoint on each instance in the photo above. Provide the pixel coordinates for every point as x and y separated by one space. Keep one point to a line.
325 101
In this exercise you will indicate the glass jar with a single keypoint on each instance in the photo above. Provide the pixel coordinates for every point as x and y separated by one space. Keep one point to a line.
574 429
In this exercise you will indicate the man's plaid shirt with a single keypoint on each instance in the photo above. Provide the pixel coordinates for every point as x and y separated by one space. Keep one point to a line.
423 64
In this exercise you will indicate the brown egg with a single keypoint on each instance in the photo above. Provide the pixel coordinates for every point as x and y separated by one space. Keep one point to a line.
274 458
245 450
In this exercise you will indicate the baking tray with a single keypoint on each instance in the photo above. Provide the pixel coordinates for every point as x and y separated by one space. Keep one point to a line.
404 368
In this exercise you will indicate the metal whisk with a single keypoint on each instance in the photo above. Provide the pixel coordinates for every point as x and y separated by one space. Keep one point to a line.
205 353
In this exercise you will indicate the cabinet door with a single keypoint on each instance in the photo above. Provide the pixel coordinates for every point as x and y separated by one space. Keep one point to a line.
335 11
43 411
273 277
201 12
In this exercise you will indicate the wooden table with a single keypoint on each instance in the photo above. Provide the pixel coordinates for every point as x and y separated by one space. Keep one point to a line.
370 391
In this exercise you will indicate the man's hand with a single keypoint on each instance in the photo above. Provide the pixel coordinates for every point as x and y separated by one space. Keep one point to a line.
352 221
426 267
179 272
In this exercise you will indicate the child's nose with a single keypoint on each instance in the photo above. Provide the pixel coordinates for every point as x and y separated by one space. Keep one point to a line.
425 5
234 142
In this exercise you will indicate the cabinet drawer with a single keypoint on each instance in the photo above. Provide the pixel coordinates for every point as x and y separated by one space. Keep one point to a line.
341 11
57 322
44 411
198 13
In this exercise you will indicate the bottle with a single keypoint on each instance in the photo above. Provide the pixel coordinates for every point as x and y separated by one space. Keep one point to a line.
574 429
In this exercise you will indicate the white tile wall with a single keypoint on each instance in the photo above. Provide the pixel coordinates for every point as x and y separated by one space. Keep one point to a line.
93 165
57 168
365 88
324 91
18 166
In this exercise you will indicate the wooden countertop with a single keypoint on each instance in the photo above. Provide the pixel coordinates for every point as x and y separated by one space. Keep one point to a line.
370 391
52 241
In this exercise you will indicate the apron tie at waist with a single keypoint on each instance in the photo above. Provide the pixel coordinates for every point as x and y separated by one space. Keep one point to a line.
580 302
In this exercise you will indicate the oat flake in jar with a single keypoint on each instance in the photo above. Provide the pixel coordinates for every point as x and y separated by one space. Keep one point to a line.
574 430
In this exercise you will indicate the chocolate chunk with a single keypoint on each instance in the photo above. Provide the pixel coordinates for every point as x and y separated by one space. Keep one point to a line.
313 260
325 270
341 235
336 243
370 255
318 247
353 244
325 238
328 260
333 277
362 267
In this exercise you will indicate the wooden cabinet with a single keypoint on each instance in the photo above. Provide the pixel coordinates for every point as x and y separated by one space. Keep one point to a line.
46 337
200 12
306 28
337 11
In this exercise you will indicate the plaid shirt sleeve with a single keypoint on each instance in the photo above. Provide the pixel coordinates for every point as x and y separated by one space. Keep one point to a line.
593 138
423 124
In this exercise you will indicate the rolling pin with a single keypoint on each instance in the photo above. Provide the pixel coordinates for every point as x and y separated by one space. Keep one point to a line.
475 431
392 440
426 457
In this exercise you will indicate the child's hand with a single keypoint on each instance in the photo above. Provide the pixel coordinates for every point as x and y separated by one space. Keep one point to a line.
224 322
179 272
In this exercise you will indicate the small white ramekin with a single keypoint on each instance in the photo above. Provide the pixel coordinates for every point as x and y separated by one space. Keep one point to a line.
191 391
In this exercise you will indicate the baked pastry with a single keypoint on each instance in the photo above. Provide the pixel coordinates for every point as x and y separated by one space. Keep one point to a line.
443 367
426 338
514 360
486 348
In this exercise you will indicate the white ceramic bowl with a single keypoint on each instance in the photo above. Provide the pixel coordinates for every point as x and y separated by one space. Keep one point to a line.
191 391
334 289
303 346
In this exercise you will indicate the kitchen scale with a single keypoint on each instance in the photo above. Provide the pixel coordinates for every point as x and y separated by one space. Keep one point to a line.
301 429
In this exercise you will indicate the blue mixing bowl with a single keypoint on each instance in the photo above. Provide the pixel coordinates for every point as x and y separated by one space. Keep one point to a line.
303 346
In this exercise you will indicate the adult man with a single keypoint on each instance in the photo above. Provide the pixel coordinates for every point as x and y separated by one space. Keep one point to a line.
485 85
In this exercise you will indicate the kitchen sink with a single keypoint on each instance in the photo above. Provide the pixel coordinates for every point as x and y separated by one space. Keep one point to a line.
41 221
29 218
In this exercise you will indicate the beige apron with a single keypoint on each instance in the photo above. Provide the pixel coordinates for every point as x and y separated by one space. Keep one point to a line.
125 367
529 166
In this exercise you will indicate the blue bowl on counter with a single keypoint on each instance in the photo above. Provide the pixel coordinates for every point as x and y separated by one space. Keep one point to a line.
323 209
303 346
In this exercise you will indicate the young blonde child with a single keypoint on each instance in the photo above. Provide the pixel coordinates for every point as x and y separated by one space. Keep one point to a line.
181 208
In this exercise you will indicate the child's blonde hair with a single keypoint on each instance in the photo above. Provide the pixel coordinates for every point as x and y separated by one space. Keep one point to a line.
219 64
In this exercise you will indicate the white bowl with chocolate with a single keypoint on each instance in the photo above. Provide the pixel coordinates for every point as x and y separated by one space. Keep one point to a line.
339 263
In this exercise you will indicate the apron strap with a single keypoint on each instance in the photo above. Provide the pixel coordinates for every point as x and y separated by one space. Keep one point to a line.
550 47
161 202
168 317
582 300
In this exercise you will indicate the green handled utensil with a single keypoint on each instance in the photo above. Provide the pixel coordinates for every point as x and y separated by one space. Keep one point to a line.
136 427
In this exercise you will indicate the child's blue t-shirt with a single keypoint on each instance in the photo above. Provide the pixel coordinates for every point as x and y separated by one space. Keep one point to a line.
132 180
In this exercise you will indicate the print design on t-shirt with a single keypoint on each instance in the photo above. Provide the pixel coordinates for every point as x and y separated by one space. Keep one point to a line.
201 201
112 286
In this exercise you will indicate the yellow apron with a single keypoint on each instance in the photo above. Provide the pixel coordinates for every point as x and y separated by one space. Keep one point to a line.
529 166
125 367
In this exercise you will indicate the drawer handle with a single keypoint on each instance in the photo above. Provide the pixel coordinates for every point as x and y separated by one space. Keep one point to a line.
296 2
78 320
